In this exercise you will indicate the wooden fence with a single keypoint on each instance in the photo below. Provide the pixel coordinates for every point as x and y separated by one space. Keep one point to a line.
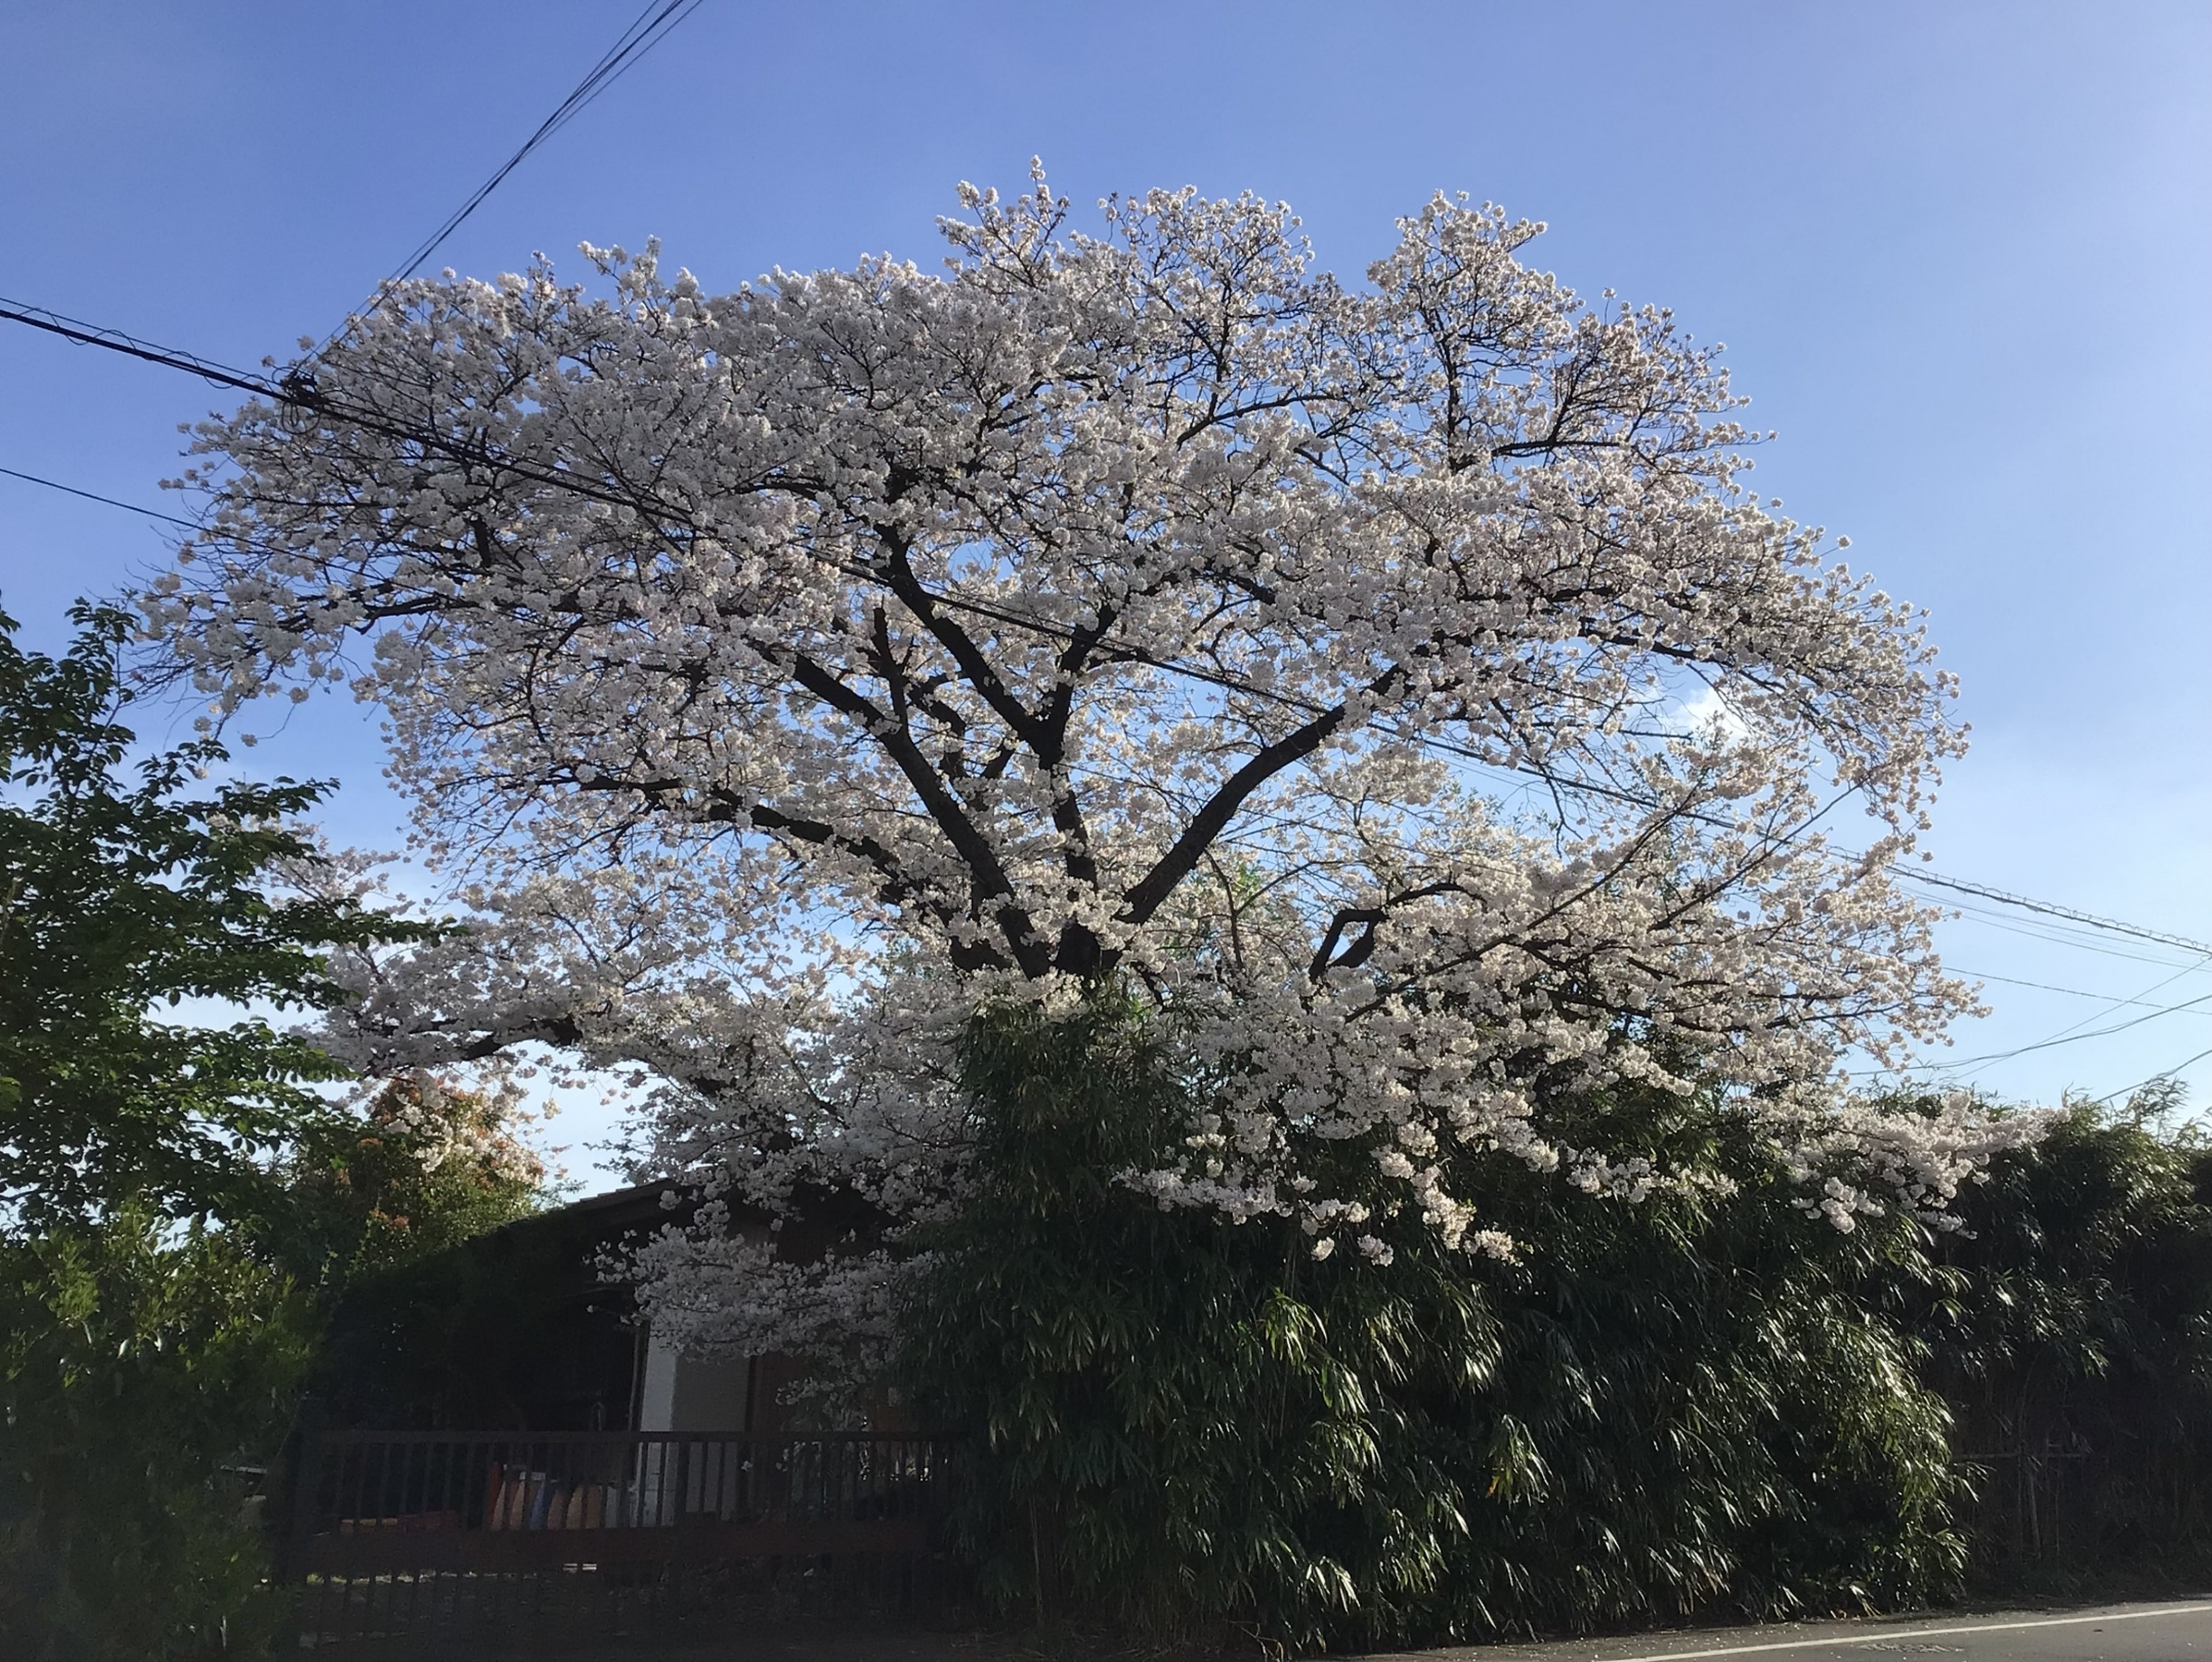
596 1533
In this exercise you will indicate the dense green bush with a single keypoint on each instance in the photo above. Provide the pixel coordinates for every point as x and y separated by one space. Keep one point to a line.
2072 1332
1682 1405
139 1364
149 1371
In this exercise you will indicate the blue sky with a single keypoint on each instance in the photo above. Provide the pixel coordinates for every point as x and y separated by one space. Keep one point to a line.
1961 255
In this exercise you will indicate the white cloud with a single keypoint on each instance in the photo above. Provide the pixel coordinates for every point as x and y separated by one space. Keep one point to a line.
1708 710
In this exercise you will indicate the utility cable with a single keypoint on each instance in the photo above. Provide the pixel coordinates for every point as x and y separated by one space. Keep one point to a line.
2164 1073
300 393
94 496
2079 940
114 340
2069 1037
1936 879
2138 1001
651 27
2066 1034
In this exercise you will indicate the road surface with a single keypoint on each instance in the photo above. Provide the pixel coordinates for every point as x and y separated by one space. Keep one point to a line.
2169 1632
2179 1630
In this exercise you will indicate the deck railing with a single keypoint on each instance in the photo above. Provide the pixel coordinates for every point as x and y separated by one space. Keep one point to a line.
382 1502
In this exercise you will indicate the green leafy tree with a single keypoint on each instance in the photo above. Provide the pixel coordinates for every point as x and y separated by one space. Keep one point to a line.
421 1168
148 1338
122 894
2071 1329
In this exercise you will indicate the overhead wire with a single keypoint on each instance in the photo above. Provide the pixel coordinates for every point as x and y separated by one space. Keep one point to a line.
83 333
2022 902
660 19
2173 1072
299 394
2068 1036
2078 940
2138 1001
2071 1033
2069 943
94 496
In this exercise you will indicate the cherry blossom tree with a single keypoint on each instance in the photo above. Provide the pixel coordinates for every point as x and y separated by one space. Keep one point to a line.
785 675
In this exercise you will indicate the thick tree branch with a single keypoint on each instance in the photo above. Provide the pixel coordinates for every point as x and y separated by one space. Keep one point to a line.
1147 894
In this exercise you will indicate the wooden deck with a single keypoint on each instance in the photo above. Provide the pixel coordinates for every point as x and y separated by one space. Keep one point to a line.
461 1521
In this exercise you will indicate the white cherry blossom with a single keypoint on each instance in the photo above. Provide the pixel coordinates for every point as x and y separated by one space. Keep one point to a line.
784 674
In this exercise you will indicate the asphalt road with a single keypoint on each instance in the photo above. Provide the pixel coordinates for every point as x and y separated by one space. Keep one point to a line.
2168 1632
2117 1633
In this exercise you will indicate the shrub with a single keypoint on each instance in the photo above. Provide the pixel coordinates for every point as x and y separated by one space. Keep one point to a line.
2072 1331
139 1367
1675 1406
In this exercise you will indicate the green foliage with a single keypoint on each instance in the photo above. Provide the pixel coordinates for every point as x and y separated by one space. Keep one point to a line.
138 1363
1682 1405
120 896
1710 1408
421 1169
2073 1332
144 1353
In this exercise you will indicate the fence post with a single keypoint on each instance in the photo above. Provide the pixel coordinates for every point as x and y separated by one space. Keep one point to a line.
307 1488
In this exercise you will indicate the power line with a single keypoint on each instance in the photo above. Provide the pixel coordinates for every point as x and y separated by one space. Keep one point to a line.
2067 1037
2082 941
2164 1073
2066 1033
2051 909
2137 1002
114 340
94 496
651 27
302 394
